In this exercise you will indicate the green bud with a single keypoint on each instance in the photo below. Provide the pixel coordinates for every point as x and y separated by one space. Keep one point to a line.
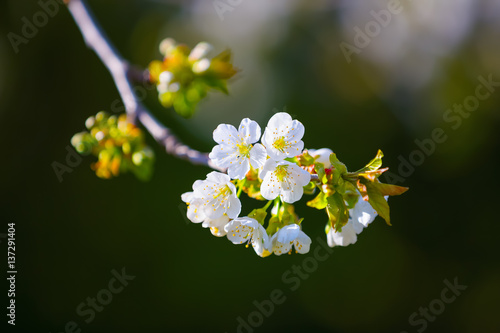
258 214
137 158
126 148
90 122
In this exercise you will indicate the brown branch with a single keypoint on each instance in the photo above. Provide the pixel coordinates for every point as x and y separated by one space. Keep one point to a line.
122 74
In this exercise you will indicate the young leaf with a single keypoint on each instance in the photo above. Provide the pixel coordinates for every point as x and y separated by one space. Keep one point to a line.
377 201
388 189
319 202
374 164
305 159
337 211
320 170
337 164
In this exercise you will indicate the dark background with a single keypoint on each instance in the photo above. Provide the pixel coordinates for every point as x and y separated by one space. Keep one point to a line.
72 234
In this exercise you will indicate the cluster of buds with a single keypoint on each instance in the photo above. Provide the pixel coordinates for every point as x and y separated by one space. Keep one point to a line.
118 145
185 76
280 171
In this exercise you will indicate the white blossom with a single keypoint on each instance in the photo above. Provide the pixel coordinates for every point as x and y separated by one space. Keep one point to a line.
289 236
322 156
283 137
343 238
359 218
200 51
167 45
236 150
195 212
217 225
284 179
164 82
247 230
218 196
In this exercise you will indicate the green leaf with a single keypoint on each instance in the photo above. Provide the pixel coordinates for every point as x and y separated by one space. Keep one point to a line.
320 202
337 164
350 194
337 211
388 189
320 170
372 175
374 164
287 214
305 159
377 201
259 215
310 188
274 225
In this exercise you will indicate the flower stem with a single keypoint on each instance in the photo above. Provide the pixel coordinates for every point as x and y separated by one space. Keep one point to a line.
240 189
267 205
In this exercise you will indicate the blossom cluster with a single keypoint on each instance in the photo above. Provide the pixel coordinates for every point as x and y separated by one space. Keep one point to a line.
279 170
184 76
118 144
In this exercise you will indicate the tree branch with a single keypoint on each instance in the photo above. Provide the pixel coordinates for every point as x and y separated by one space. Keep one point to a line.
121 73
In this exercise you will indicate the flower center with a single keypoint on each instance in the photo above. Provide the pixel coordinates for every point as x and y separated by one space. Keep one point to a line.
223 192
281 172
243 149
280 143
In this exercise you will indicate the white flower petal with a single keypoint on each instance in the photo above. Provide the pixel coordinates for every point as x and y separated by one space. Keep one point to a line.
357 227
222 155
293 195
213 209
346 237
218 196
288 233
167 45
295 149
226 134
303 243
296 130
363 212
249 131
278 119
201 65
322 156
239 168
165 77
280 248
258 156
241 229
285 179
269 166
282 137
199 51
288 236
270 187
188 197
217 225
301 176
234 208
218 177
261 242
195 212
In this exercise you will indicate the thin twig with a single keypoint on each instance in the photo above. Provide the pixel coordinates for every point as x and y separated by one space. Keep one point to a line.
122 73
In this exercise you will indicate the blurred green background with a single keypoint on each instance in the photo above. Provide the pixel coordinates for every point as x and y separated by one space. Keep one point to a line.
71 234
